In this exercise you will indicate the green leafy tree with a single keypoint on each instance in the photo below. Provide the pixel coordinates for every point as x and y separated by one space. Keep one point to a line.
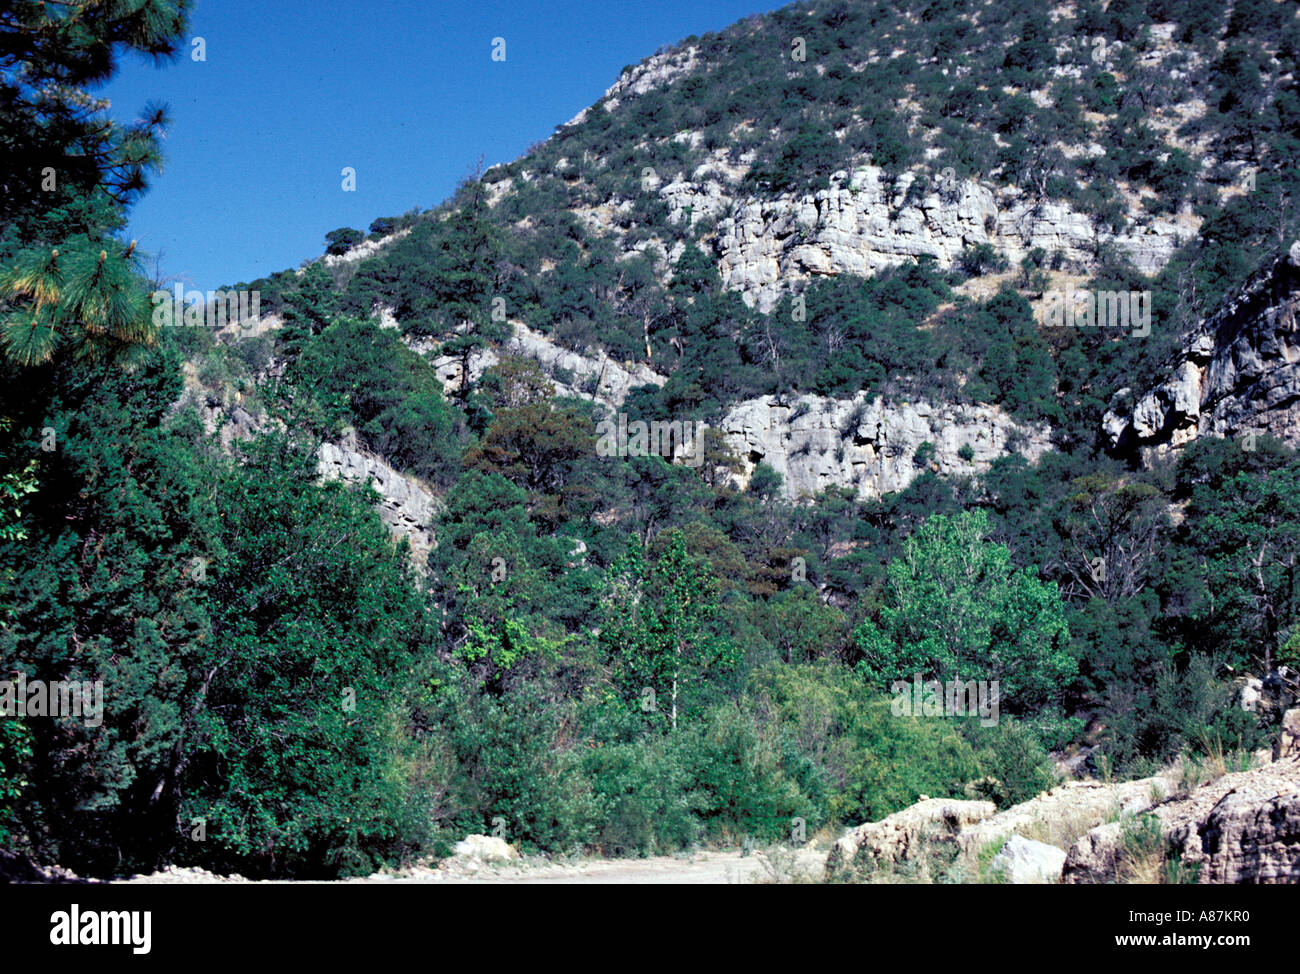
865 762
291 753
362 374
506 595
800 626
954 607
464 275
51 57
659 629
1111 534
538 445
103 588
1242 528
17 481
86 297
342 240
309 308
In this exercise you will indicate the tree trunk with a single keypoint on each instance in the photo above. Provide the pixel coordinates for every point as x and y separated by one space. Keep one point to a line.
676 673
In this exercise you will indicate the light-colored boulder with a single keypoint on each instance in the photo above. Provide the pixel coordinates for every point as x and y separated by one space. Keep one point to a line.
1095 856
1252 693
488 848
1023 861
1288 738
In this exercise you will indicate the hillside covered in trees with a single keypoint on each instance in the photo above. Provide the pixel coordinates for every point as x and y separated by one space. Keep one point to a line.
627 652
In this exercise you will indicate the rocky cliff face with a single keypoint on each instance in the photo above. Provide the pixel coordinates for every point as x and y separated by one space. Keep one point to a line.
1238 374
864 225
405 505
864 443
1242 828
597 378
864 222
814 442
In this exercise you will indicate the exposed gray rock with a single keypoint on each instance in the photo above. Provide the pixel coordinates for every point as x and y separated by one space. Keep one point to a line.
812 441
405 505
863 227
1067 810
908 837
451 369
699 200
1288 738
1094 858
654 72
954 834
1023 860
1251 694
253 327
1241 828
226 413
864 443
595 377
1238 374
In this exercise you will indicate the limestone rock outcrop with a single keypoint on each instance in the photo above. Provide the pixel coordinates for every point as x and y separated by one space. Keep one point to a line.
656 71
905 839
862 225
1241 828
812 441
815 442
1068 810
595 377
405 505
1238 374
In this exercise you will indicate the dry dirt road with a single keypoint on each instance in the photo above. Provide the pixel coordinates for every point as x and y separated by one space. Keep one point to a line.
705 867
769 866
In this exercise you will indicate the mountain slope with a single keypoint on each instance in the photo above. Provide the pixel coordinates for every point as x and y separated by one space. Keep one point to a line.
789 156
834 234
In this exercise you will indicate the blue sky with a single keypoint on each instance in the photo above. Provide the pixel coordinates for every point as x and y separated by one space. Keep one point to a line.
404 91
